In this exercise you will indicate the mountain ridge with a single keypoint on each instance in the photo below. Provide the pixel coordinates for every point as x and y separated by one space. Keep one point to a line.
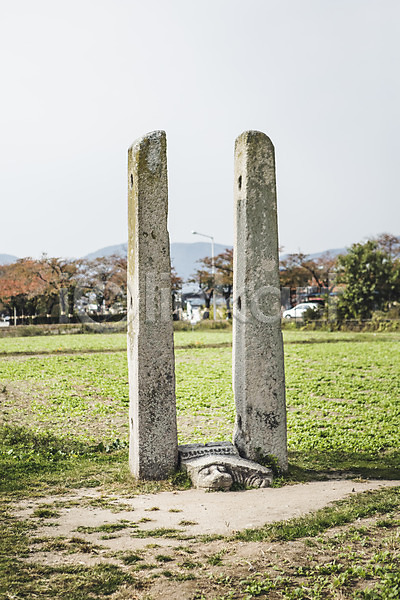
7 259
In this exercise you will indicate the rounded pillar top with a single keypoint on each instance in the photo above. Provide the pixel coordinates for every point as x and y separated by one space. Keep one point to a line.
253 137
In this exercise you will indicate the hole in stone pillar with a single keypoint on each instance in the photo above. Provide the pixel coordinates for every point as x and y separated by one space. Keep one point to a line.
240 182
239 303
131 303
239 422
131 180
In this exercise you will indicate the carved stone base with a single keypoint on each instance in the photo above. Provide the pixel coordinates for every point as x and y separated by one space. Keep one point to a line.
218 466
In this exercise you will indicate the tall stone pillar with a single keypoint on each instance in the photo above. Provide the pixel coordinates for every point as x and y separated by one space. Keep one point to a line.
153 445
258 367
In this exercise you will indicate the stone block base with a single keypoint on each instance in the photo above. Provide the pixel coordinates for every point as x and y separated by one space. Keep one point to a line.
218 466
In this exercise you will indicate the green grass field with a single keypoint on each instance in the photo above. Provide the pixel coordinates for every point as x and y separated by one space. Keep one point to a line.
342 394
64 425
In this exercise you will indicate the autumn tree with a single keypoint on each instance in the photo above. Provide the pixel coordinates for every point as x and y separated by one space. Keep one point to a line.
20 287
292 274
299 270
176 286
59 277
105 277
176 281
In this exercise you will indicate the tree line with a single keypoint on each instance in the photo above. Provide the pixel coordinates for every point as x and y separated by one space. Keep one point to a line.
62 288
54 286
366 279
367 276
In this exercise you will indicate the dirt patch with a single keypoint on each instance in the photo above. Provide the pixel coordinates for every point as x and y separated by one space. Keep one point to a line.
130 523
169 541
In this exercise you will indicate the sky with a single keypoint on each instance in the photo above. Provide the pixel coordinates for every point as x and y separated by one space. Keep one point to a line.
81 80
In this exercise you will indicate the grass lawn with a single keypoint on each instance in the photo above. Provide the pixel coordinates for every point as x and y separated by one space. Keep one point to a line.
64 406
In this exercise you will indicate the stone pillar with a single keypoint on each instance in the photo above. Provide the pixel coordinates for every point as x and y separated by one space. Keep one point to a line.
258 367
153 445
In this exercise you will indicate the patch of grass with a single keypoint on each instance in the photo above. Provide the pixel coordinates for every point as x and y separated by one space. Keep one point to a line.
343 511
160 532
76 544
37 462
54 344
387 589
216 559
163 558
189 564
388 523
179 576
185 549
110 504
66 428
106 527
130 558
185 523
335 402
71 546
45 512
30 460
146 566
30 580
182 480
49 544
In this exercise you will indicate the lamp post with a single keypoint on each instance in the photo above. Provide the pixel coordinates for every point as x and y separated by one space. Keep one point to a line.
210 237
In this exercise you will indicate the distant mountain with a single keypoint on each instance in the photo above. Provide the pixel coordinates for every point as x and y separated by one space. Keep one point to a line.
7 259
183 256
332 251
119 249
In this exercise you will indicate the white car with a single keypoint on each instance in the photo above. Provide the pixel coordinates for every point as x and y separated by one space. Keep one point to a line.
298 311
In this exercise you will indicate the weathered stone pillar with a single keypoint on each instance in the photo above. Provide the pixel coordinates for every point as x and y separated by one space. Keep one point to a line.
258 367
153 445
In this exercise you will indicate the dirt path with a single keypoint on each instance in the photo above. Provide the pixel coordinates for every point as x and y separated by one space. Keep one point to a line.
127 524
179 545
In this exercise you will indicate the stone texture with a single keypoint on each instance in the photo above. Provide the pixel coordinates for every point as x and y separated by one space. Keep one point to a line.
218 466
153 447
258 367
220 473
191 451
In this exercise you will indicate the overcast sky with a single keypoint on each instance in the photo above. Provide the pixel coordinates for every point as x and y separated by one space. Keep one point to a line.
81 80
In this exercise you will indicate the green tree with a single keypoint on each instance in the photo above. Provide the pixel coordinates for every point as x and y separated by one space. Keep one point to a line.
371 278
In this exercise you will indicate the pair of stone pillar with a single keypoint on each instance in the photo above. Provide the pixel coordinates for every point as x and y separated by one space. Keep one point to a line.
258 369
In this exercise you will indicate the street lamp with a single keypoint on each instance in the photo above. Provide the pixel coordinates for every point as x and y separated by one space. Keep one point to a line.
210 237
